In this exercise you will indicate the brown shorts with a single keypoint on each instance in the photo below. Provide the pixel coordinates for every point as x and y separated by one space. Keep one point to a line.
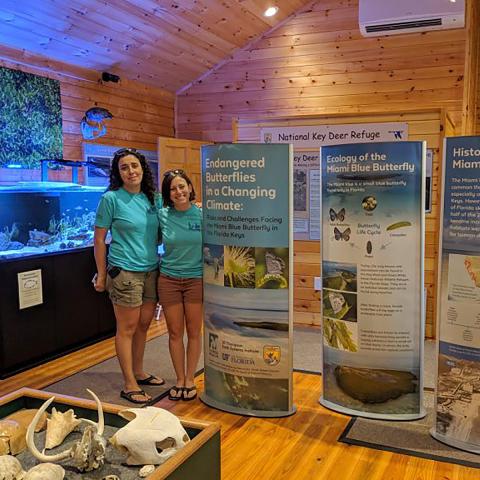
133 289
179 290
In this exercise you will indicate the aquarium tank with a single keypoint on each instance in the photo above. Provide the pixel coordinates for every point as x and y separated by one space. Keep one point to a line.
46 217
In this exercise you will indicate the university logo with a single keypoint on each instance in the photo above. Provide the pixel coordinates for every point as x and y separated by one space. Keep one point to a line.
271 355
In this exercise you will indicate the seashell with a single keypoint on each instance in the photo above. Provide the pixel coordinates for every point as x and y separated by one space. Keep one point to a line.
45 471
10 468
146 470
59 425
12 433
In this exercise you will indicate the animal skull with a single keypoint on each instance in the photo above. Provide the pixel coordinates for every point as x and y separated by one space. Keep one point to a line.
152 435
87 454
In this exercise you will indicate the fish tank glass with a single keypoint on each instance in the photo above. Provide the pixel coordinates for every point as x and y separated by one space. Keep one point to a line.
46 217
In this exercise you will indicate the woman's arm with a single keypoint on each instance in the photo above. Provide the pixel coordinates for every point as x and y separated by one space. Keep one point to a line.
100 253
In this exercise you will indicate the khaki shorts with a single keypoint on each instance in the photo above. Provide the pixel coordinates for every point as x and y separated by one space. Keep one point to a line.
173 290
133 289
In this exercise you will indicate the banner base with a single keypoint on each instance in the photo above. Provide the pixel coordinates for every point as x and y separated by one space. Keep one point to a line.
243 411
467 447
372 415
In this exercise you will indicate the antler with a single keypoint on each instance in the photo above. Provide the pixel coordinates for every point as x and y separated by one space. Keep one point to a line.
101 421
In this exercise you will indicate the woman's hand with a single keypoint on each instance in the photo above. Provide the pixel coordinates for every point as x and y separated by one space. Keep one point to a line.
99 282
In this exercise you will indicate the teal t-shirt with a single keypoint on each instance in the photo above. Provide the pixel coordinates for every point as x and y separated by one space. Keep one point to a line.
182 242
133 222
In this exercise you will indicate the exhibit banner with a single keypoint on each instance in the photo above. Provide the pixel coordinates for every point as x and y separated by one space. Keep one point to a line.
306 140
248 269
372 278
457 402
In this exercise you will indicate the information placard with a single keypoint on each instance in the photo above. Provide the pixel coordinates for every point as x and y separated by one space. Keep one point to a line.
372 270
30 292
247 204
457 403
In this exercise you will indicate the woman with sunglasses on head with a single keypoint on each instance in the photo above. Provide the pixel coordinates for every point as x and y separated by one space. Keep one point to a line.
128 209
180 281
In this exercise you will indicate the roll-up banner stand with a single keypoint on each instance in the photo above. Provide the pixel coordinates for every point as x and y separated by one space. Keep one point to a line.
372 271
248 272
457 402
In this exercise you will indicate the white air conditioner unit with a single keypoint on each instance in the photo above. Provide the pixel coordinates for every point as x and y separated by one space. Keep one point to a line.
389 17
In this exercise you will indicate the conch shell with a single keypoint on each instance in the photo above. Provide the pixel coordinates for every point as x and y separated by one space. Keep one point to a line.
59 425
10 468
45 471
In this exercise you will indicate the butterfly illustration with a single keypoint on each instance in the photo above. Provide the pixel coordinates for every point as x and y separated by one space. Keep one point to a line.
340 216
345 235
274 264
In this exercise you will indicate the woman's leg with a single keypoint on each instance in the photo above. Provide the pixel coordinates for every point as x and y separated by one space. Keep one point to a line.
127 321
174 316
193 321
147 311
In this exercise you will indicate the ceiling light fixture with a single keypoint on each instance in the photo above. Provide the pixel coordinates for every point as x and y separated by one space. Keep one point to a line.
271 11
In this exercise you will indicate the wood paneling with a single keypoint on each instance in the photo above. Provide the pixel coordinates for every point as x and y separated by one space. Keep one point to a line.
161 43
140 113
317 63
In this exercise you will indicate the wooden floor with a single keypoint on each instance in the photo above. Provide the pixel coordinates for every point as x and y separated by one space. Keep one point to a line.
304 446
300 447
50 372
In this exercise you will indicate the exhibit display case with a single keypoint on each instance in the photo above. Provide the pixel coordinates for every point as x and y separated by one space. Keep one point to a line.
47 303
39 218
199 458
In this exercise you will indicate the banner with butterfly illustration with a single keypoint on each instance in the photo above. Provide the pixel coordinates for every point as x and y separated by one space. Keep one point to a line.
248 326
372 274
457 399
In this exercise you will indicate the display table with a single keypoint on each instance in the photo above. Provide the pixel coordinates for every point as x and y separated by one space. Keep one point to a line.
199 459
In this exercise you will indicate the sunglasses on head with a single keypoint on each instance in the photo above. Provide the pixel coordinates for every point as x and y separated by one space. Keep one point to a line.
177 171
125 151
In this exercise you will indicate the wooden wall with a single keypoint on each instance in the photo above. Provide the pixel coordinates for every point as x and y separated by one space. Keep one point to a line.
318 64
140 113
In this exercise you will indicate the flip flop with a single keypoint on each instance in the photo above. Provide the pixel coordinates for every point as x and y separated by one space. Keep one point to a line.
186 391
176 390
148 381
130 396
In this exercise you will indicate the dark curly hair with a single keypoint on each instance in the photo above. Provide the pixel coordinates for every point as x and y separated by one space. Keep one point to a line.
147 186
167 181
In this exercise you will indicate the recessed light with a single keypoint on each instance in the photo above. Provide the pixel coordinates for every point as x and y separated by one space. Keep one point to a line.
271 11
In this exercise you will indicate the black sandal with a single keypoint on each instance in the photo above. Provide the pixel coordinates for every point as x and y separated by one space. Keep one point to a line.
187 390
129 396
177 393
149 381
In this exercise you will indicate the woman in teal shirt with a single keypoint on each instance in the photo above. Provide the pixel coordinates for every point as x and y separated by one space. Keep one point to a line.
128 209
180 282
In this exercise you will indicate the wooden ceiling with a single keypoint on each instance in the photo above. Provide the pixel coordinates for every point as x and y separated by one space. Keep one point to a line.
164 43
